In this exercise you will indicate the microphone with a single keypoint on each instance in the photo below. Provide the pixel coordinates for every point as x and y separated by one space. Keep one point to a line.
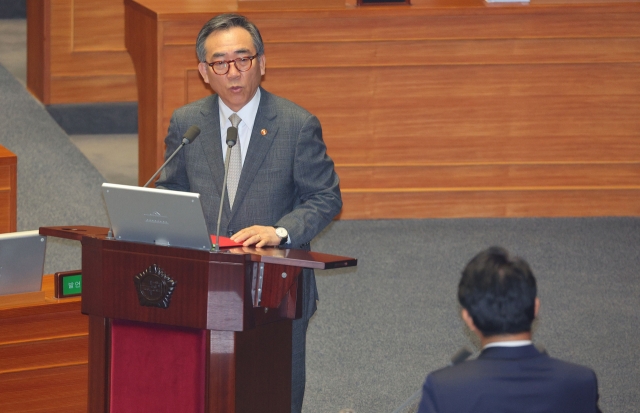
460 356
189 136
232 138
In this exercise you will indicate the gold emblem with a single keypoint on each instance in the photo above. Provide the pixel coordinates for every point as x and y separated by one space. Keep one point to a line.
263 132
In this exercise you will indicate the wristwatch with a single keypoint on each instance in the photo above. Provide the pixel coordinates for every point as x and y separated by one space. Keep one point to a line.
283 234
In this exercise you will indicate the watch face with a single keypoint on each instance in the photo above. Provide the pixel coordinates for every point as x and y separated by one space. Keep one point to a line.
281 232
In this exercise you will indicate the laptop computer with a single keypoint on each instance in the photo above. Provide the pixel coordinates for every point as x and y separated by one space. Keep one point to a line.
156 216
21 262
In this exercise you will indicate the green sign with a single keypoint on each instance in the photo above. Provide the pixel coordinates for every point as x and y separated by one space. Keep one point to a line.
72 285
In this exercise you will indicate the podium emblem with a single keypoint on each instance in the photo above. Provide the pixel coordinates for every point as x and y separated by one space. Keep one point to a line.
154 287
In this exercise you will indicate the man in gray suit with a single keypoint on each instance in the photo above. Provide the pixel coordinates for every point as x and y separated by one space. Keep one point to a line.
287 191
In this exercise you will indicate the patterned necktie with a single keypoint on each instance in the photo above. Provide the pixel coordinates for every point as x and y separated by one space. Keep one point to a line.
235 163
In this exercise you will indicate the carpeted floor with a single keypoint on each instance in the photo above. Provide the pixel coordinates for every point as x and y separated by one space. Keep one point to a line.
57 185
381 327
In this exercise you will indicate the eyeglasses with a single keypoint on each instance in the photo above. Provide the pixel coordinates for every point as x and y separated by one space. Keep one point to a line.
221 67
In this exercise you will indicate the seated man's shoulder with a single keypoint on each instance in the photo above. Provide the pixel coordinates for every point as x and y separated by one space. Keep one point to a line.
571 370
467 371
479 368
483 385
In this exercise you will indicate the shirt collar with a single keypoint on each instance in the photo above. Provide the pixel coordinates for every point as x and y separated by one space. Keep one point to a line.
514 343
247 113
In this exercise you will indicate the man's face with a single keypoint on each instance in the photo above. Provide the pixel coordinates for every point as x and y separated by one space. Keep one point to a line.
235 88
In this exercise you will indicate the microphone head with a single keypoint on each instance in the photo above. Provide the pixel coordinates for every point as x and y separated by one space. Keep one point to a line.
191 134
232 136
460 356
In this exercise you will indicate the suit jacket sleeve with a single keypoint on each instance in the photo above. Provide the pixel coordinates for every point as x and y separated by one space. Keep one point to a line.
428 401
316 185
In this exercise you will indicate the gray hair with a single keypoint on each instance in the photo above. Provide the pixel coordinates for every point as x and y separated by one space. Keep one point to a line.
226 22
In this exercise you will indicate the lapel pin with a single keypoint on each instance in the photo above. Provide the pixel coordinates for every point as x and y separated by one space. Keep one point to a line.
263 132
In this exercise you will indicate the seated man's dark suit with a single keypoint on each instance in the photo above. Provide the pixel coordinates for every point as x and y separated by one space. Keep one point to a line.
511 379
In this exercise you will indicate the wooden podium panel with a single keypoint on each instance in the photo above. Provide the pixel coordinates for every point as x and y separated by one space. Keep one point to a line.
179 328
8 190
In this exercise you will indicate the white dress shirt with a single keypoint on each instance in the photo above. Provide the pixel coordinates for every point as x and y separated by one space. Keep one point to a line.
248 116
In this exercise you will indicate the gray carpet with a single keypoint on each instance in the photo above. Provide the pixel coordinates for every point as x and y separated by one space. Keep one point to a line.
381 327
57 185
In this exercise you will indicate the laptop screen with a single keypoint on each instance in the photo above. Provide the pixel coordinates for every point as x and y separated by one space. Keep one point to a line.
21 262
156 216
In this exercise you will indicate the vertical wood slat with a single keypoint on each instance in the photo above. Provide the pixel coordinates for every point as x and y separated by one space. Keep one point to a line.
8 190
141 32
39 49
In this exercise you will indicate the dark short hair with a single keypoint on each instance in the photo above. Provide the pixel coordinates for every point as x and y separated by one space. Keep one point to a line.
226 22
499 292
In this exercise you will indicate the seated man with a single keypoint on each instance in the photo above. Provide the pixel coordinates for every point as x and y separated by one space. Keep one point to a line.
498 297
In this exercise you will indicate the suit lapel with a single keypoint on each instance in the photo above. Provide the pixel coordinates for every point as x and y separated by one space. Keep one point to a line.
259 146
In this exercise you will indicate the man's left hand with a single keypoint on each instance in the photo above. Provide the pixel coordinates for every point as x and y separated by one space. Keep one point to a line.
257 235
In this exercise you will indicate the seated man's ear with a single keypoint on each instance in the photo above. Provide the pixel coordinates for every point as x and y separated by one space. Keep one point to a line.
536 308
468 320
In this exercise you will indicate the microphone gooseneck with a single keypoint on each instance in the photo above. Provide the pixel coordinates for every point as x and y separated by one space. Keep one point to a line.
232 138
189 136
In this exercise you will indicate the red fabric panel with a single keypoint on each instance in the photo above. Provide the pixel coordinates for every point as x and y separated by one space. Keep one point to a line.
156 369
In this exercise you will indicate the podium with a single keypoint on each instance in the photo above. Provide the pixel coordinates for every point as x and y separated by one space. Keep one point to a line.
174 329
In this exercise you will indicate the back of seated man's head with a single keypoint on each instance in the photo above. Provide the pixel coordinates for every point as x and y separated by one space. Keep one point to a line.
499 293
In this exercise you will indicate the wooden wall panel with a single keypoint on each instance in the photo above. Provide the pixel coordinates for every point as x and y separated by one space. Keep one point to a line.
80 57
36 354
489 203
57 389
407 177
8 190
45 324
289 4
514 113
552 86
109 88
43 355
448 22
420 53
98 25
507 109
